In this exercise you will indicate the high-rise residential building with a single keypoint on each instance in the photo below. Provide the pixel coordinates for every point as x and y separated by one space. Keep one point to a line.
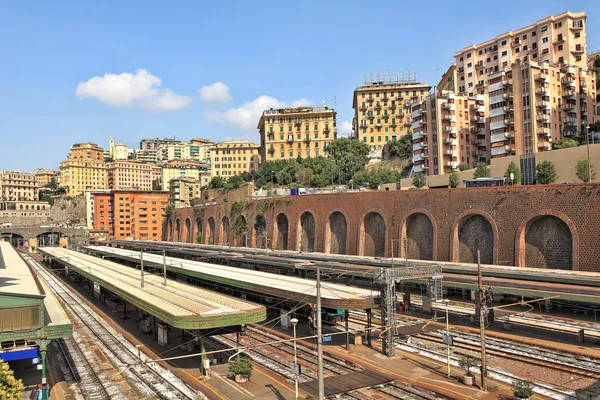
448 130
128 175
18 186
83 169
382 109
153 144
156 177
126 214
534 104
117 151
176 169
558 40
289 133
183 190
234 157
146 156
201 148
44 176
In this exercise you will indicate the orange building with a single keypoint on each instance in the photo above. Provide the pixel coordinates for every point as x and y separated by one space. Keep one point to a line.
130 214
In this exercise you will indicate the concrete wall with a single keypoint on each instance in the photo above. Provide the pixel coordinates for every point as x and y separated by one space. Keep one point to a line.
507 224
564 160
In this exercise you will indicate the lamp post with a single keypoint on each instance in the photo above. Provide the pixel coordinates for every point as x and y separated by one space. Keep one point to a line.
587 140
294 322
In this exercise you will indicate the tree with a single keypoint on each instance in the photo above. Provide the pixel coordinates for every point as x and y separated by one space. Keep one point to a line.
241 367
545 173
374 177
582 171
522 389
463 167
234 182
10 388
52 185
398 149
453 180
565 143
217 182
419 180
516 171
482 171
349 157
467 363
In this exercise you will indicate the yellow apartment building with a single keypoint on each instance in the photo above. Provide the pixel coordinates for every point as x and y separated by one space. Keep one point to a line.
382 110
128 175
289 133
83 169
234 157
18 186
176 169
448 130
44 176
557 40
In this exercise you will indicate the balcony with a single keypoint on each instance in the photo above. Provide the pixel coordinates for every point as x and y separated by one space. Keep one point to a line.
408 122
407 103
370 99
570 120
392 106
583 83
452 164
507 95
509 108
447 105
450 153
577 49
271 150
559 39
542 90
507 82
542 104
449 141
370 116
481 132
480 84
416 113
326 130
385 99
418 157
363 125
448 117
543 117
509 121
515 42
543 131
568 81
461 69
569 93
477 107
541 76
543 145
568 107
481 142
362 108
393 124
377 106
576 25
416 136
417 124
307 140
479 64
290 138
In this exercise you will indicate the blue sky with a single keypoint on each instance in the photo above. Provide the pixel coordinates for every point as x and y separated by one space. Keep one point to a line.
54 57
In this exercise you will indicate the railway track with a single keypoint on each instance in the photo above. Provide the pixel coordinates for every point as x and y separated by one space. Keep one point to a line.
89 382
582 366
150 379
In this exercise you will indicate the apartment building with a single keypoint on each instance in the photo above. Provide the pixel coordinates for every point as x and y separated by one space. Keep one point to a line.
234 157
125 214
83 169
183 190
558 39
448 130
199 150
289 133
154 144
382 110
148 156
176 169
128 175
534 104
44 177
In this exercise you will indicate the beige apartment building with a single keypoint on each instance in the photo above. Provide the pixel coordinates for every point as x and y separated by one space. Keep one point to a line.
448 130
18 186
532 105
382 110
44 177
177 169
234 157
183 190
83 169
558 40
289 133
134 175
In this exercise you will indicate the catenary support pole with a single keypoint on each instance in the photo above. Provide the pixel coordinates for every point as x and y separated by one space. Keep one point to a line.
320 376
142 266
481 321
346 316
164 267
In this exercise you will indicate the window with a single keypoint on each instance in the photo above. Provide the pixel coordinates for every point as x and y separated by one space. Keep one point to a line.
504 53
545 39
461 59
533 33
525 48
517 50
544 28
558 24
480 52
503 43
468 55
534 55
577 34
524 37
469 65
488 59
560 47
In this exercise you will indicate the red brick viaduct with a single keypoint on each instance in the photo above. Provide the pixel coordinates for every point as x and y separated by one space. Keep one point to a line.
555 226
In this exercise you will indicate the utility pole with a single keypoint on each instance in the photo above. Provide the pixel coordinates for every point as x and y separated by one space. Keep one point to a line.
142 266
320 339
481 321
587 140
164 267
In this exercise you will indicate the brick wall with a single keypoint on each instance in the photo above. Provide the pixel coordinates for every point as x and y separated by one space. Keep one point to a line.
505 223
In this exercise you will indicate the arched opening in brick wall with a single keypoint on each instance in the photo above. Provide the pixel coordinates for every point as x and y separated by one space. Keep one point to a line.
188 231
211 230
548 243
199 236
281 232
19 241
372 235
226 239
170 230
260 230
417 239
474 233
177 230
335 236
306 232
240 231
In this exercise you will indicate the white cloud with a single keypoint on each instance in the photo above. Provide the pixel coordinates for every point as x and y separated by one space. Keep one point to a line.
140 90
247 115
345 129
217 92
